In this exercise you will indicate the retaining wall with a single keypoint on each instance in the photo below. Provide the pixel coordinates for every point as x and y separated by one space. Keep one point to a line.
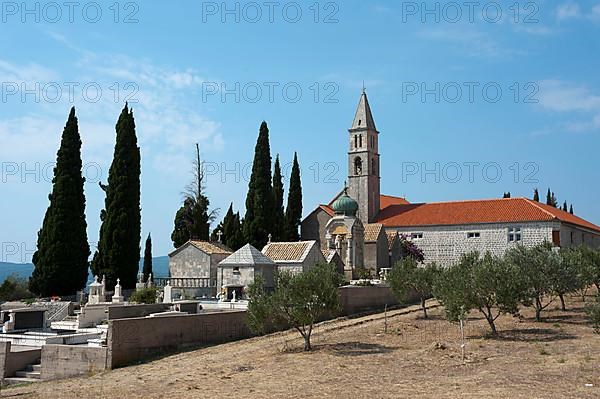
131 311
62 361
356 299
10 362
130 340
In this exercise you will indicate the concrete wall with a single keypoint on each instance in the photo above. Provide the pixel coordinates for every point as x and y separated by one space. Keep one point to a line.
376 253
126 343
141 310
355 299
62 361
91 315
11 362
446 244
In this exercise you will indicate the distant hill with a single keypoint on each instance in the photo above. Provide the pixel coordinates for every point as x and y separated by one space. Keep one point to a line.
160 266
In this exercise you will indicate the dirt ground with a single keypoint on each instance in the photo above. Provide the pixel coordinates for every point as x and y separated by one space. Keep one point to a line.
356 358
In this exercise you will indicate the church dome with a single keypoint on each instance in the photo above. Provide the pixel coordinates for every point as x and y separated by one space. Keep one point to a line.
345 205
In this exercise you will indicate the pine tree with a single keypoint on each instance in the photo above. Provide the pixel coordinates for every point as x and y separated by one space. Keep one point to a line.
279 223
293 211
536 195
147 270
61 258
118 253
571 210
258 223
192 220
565 208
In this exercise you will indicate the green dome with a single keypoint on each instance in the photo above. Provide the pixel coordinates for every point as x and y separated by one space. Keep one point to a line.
345 205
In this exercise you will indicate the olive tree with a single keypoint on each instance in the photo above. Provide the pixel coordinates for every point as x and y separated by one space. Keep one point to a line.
408 277
539 271
486 283
298 301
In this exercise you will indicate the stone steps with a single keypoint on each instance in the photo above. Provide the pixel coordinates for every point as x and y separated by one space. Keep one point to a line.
28 374
19 380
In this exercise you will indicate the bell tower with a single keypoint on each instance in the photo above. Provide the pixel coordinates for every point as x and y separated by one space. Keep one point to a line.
363 162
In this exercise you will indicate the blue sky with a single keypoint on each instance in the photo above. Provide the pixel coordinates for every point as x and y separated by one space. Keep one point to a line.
195 72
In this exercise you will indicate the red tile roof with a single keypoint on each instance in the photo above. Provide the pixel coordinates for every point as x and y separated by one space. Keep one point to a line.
387 200
476 212
327 210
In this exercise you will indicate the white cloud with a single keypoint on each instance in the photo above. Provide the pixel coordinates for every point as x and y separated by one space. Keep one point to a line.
567 98
568 11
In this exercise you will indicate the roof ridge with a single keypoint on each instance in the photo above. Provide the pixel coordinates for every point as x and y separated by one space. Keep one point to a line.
531 202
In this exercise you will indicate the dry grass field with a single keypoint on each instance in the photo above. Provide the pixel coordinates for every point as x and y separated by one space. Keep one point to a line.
356 358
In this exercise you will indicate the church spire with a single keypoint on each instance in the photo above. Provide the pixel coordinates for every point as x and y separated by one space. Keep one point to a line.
363 119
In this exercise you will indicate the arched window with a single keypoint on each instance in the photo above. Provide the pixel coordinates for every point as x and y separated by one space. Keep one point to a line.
357 166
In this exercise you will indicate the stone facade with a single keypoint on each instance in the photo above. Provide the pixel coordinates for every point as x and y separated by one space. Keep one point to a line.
445 244
313 227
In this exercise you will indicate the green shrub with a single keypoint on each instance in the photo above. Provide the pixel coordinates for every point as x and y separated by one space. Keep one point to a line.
144 295
14 288
593 311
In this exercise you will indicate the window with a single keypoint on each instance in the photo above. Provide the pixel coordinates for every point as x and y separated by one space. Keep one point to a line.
473 235
360 140
358 166
571 237
359 122
514 234
416 235
236 270
373 171
355 142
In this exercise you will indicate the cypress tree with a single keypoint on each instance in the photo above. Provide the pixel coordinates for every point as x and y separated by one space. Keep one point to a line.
565 208
279 223
147 270
554 201
118 252
571 210
232 230
61 258
536 195
258 223
549 198
506 195
293 211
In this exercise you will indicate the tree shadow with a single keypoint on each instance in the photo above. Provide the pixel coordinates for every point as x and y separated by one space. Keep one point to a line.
533 335
576 318
355 348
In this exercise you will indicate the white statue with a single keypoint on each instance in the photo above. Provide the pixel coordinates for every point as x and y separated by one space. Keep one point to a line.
168 293
233 294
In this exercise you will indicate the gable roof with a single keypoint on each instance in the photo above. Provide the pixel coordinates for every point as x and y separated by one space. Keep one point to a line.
476 212
392 236
208 247
372 231
329 254
384 201
247 256
288 251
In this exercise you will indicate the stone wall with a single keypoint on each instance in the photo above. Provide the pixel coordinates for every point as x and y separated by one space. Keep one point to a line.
11 362
62 361
355 299
446 244
132 311
313 227
572 236
162 334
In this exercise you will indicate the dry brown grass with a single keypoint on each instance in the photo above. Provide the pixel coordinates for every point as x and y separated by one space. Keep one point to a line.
357 359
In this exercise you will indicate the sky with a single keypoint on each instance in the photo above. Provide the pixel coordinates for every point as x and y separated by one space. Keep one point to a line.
472 99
